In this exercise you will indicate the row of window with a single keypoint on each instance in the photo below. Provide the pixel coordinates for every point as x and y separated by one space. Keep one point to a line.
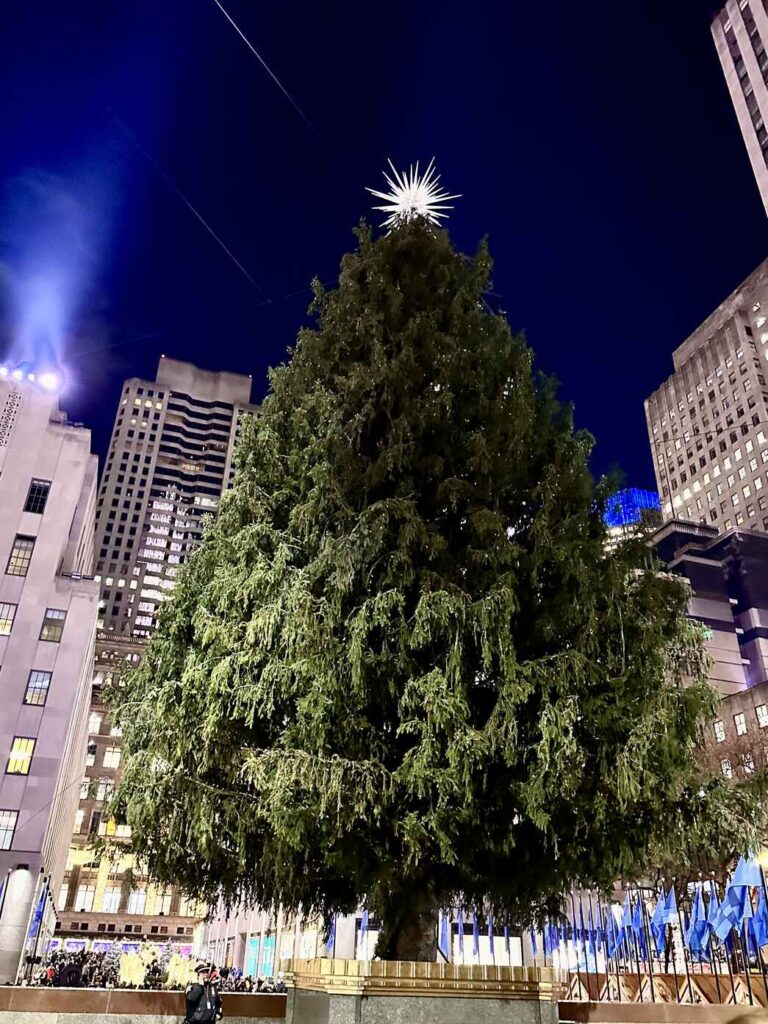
51 630
110 903
740 722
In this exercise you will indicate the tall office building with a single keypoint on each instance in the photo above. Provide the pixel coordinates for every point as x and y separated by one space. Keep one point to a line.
170 458
708 423
740 32
48 606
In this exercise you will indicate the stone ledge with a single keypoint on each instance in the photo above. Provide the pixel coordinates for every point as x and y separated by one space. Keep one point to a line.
119 1006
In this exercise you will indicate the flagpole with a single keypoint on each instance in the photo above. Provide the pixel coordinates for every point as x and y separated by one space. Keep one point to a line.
636 944
575 943
745 956
33 907
685 958
670 944
609 917
649 947
715 964
44 902
759 955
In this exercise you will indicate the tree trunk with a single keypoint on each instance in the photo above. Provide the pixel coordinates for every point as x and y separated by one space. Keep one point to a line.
409 930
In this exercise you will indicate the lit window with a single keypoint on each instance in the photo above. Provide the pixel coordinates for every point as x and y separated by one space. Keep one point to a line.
94 722
740 722
8 821
111 757
53 625
105 789
37 687
37 496
84 898
85 788
21 555
719 732
110 903
748 763
137 901
762 715
79 818
7 615
20 758
726 768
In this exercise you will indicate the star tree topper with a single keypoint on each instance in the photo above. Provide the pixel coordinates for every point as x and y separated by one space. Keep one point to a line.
413 195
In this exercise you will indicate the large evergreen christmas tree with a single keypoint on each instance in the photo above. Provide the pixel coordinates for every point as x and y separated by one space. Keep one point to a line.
401 668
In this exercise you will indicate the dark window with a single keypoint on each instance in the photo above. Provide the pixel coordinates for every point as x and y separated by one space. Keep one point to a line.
37 496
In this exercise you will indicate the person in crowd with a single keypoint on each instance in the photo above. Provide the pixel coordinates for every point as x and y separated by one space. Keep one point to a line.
203 1002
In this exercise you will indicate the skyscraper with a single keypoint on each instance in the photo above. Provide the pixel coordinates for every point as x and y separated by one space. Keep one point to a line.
48 605
708 423
740 32
170 459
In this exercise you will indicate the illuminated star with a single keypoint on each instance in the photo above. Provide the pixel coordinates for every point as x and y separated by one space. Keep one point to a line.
412 195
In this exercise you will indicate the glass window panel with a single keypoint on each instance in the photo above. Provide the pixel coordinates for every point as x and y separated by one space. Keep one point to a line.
20 556
20 757
37 496
53 624
37 687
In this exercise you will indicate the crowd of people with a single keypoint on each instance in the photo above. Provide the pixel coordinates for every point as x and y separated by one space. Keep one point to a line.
147 968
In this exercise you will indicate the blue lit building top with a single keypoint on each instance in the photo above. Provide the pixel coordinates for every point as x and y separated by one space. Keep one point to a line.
627 507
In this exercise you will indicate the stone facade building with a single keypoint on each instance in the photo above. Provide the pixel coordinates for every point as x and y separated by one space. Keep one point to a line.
708 423
48 606
740 32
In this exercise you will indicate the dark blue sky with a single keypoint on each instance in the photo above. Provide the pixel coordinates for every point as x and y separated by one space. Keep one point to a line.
594 143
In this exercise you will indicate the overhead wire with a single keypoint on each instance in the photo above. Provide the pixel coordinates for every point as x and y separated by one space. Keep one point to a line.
268 69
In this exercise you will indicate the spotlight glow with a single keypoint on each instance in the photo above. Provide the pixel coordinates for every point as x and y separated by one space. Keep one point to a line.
3 371
49 381
17 375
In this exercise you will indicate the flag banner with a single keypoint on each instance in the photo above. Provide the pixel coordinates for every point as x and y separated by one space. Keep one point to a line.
490 935
747 873
658 925
37 917
506 940
444 941
461 934
475 935
331 943
733 911
638 929
697 932
534 945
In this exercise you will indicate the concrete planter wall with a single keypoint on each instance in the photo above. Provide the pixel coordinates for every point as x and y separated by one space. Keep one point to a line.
116 1006
327 991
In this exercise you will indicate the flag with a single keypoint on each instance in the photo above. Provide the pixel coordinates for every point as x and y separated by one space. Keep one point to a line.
363 930
506 939
658 923
734 910
612 939
490 935
443 941
593 937
625 931
760 922
534 945
696 933
670 906
747 873
461 934
475 935
546 938
638 929
37 917
331 943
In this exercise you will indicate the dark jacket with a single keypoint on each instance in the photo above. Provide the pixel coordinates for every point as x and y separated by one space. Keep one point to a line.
203 1003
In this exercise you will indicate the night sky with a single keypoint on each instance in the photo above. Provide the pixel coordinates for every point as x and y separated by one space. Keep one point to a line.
594 143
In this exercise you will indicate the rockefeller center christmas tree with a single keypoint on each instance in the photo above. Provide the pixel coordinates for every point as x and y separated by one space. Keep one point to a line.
402 668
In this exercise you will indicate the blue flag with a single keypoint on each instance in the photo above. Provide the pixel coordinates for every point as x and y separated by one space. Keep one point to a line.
475 935
658 923
638 930
594 938
363 928
714 906
760 922
696 935
444 942
747 873
734 910
37 917
490 935
331 943
506 939
670 906
534 945
625 931
612 938
461 934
